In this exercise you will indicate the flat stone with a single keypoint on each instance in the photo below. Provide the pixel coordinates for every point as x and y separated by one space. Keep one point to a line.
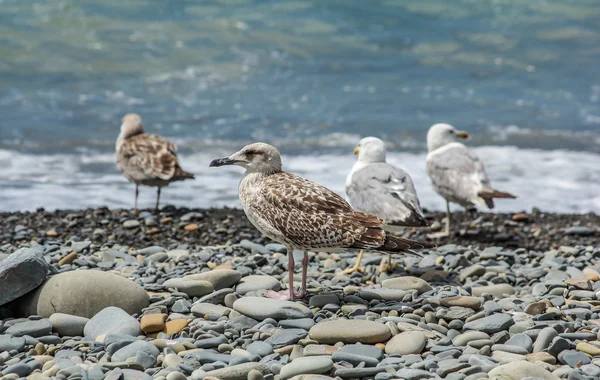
301 323
321 300
111 320
473 303
260 348
193 288
210 311
588 349
302 366
579 230
219 278
507 357
464 338
175 326
491 324
363 350
68 325
473 270
9 343
261 308
557 346
21 272
237 372
544 339
20 369
286 337
497 290
131 224
406 343
454 312
414 374
519 370
132 349
257 282
31 328
520 340
407 283
153 322
349 331
383 294
542 357
84 293
574 359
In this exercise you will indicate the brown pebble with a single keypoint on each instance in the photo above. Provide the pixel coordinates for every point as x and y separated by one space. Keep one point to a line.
166 220
68 259
40 348
175 326
153 231
153 322
521 217
52 233
191 227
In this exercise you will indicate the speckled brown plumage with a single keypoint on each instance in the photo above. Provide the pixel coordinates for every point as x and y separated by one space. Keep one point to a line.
147 159
151 160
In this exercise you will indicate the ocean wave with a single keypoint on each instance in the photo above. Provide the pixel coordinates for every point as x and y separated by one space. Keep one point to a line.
553 181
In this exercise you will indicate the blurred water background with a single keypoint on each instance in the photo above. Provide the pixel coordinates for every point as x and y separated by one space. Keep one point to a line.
312 78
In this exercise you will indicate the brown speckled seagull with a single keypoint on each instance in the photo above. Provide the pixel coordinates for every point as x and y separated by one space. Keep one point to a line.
304 215
147 159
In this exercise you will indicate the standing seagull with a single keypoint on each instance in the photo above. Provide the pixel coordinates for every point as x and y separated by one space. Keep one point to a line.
456 173
376 187
146 159
303 215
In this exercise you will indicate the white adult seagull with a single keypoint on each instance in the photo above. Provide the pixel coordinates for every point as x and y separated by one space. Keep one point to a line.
379 188
456 173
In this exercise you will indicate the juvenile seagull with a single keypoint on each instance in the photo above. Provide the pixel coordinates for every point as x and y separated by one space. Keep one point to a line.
147 159
303 215
376 187
456 173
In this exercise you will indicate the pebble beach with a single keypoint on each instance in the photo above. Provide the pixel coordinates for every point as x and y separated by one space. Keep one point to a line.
177 294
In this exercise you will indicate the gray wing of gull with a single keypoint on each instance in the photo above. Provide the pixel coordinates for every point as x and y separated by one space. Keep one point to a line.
388 192
458 174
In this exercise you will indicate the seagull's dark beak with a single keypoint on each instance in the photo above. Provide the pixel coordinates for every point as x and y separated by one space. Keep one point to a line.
222 162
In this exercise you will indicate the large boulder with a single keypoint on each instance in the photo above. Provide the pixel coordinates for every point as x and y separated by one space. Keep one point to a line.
84 293
21 272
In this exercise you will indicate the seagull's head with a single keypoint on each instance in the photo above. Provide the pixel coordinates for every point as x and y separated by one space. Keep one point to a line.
441 134
131 126
256 158
370 149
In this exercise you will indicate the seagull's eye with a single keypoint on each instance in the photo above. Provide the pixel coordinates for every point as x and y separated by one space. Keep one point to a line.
451 131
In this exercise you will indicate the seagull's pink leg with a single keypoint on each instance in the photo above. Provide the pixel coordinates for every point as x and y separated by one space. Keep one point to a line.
304 275
288 294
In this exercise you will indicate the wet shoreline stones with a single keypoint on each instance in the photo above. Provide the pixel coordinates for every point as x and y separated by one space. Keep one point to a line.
189 303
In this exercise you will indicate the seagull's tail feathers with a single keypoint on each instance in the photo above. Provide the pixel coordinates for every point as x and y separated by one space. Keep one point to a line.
181 174
488 196
394 244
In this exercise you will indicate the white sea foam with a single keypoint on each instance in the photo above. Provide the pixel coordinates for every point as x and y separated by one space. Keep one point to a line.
554 181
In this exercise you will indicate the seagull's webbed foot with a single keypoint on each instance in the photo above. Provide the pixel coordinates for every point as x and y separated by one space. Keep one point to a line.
355 268
285 295
388 266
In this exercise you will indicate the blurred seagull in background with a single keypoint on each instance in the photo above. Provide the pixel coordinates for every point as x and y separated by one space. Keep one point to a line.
147 159
303 215
456 173
376 187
